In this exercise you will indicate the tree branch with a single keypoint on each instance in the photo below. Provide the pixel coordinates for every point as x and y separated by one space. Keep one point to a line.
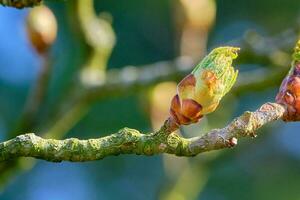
130 141
20 3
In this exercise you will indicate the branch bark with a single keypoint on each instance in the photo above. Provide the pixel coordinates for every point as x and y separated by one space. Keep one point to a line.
131 141
20 3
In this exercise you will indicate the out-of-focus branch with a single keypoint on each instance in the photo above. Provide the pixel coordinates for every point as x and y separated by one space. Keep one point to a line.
67 121
131 79
100 39
130 141
35 99
99 36
275 60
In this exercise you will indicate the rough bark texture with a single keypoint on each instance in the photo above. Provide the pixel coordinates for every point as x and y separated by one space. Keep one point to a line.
20 3
131 141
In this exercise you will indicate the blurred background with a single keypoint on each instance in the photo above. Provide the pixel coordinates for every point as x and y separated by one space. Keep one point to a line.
115 63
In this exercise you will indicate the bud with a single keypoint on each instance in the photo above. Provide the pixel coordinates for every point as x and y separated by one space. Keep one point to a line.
289 92
232 142
41 28
200 92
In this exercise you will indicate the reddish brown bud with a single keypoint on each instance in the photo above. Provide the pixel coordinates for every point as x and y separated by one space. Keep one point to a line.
289 94
185 112
41 28
200 92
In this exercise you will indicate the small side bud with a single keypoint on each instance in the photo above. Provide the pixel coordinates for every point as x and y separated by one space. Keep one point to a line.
232 142
289 92
200 92
41 28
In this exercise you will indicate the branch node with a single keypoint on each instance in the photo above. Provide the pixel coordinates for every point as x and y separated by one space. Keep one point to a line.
232 142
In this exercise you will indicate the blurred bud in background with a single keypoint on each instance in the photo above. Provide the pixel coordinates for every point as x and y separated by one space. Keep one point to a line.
199 18
41 28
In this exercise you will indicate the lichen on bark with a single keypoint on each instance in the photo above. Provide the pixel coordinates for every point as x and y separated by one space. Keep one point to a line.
131 141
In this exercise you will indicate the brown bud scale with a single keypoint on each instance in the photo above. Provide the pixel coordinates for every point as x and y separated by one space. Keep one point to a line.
289 94
185 112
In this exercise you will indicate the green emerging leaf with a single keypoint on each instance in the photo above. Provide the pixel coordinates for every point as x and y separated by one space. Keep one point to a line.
214 77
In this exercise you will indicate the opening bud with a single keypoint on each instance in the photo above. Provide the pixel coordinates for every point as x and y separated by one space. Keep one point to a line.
200 92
